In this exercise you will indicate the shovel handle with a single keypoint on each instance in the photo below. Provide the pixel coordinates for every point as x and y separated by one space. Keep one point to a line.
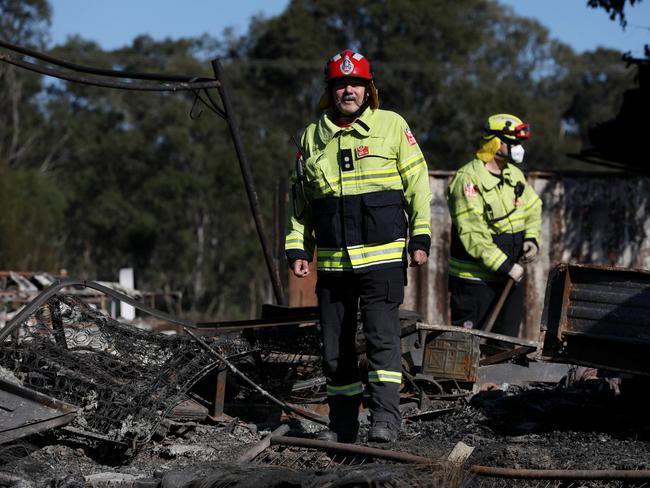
499 305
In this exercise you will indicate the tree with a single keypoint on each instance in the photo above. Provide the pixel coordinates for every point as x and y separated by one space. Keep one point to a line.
25 23
615 8
444 66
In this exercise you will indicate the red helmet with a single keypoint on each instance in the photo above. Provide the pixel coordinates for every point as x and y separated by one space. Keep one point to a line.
347 63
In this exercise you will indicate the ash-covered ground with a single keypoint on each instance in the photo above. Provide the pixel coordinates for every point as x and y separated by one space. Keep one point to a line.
587 426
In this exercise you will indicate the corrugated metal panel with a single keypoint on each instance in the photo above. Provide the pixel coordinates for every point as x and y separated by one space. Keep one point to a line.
598 316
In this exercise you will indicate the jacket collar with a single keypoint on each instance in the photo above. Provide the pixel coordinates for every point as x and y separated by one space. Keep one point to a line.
487 179
327 129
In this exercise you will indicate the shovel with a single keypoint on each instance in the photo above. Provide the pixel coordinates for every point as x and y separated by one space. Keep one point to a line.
497 308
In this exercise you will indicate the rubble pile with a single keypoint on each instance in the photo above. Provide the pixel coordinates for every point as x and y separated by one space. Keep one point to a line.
557 427
89 401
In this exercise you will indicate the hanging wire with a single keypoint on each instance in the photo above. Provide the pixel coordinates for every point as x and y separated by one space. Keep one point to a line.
99 71
197 115
70 72
167 86
210 103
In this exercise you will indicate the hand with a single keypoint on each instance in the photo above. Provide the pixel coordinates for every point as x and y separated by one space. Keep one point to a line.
418 257
530 252
516 272
300 268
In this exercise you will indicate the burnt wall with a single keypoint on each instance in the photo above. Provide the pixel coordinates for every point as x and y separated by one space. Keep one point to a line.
591 218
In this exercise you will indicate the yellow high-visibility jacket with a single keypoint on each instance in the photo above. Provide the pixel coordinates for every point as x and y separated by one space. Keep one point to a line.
366 186
491 218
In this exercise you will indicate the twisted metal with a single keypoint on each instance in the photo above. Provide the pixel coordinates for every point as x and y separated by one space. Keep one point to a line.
124 379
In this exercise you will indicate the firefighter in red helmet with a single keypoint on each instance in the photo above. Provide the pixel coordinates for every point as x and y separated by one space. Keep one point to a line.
366 208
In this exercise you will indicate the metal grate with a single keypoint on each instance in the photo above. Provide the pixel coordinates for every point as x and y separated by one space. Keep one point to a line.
124 379
301 458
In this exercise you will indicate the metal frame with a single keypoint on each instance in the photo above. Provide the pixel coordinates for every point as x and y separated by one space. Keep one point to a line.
172 83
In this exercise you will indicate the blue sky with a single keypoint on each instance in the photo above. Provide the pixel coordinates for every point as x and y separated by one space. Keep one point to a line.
114 23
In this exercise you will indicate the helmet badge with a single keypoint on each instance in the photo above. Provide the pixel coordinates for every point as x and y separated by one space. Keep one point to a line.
347 66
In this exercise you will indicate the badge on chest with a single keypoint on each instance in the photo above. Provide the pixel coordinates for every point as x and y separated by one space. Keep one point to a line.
362 151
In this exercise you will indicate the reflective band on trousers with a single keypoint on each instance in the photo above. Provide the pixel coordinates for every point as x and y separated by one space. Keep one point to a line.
383 376
347 390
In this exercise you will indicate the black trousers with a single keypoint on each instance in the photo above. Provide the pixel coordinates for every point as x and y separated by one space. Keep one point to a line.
378 295
472 304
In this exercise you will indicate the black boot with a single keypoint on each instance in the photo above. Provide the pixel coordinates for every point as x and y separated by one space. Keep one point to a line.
344 419
383 432
340 433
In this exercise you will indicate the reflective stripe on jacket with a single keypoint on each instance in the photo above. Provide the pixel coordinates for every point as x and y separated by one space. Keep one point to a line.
489 223
367 187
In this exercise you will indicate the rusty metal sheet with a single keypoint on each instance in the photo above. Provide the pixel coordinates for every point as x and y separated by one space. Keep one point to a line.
598 316
24 412
452 355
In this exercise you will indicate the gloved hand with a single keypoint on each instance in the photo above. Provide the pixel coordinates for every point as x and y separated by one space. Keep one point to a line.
530 251
516 272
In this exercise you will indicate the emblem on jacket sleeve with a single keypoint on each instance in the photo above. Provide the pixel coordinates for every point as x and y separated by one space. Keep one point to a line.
347 66
362 151
409 137
470 190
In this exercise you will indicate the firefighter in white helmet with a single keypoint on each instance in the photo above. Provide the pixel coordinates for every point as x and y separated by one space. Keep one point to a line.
496 223
365 191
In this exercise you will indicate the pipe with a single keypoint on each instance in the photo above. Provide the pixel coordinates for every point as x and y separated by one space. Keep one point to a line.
262 445
164 86
487 471
561 474
271 264
354 449
97 71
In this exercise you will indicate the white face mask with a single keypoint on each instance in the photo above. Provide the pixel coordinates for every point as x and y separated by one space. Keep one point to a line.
517 153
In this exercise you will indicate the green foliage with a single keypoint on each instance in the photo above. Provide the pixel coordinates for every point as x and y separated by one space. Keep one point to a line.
25 21
99 179
31 220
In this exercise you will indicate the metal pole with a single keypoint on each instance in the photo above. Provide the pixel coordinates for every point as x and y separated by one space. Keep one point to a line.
254 451
353 449
253 201
560 474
